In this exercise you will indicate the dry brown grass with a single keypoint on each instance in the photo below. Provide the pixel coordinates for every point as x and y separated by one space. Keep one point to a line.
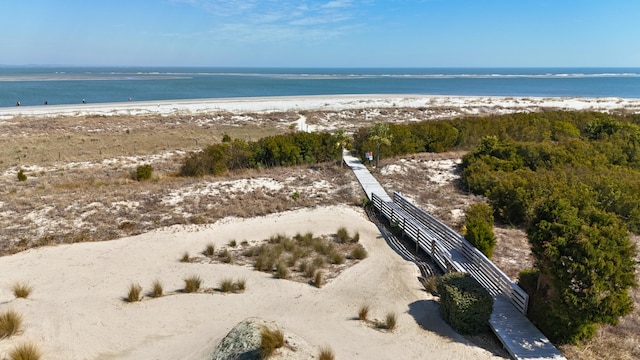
21 289
25 351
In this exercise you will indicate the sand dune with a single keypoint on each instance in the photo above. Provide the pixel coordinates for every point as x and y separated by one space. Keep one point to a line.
76 310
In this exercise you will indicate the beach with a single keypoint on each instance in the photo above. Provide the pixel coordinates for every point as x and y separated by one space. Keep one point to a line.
119 231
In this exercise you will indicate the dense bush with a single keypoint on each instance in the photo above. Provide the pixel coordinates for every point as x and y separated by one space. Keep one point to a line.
479 225
585 268
21 175
143 172
464 303
281 150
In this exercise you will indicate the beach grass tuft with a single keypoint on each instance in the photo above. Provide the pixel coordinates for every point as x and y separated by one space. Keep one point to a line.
326 353
156 289
21 289
25 351
192 284
390 321
185 257
359 252
10 323
342 235
270 341
209 250
363 312
318 279
226 285
134 294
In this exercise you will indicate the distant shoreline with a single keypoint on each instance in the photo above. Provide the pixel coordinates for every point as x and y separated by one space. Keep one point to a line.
321 102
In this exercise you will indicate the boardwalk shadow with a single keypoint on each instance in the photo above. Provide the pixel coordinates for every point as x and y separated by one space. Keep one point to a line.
426 314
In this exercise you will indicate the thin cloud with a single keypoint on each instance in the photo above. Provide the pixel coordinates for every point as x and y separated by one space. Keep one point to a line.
279 20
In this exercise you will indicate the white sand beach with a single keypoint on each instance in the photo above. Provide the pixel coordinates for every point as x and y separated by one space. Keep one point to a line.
77 311
457 104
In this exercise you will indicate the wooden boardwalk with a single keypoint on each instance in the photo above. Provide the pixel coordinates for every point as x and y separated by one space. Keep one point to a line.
453 253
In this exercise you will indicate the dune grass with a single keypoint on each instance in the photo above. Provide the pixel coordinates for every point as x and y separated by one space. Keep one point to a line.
390 321
359 252
185 257
209 250
270 341
21 289
363 312
326 353
156 289
342 235
25 351
192 284
318 279
10 323
135 293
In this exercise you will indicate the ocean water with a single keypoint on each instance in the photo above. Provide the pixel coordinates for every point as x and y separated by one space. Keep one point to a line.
70 85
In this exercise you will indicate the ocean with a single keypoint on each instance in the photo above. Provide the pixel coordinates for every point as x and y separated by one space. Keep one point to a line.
33 85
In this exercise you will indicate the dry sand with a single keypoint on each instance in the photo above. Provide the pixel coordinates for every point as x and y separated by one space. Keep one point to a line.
76 310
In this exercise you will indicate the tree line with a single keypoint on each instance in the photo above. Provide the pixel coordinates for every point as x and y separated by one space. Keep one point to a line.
291 149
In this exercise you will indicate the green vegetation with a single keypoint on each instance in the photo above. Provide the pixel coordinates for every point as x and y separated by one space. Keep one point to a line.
25 351
142 172
21 175
379 135
318 279
479 228
464 303
21 290
575 190
10 323
359 252
280 150
270 341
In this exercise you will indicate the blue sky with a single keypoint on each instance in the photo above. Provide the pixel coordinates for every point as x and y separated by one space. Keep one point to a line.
328 33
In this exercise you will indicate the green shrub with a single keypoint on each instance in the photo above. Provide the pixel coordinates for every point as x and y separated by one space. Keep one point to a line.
143 172
192 284
359 252
270 341
464 303
479 225
10 323
135 290
156 289
21 290
21 175
26 351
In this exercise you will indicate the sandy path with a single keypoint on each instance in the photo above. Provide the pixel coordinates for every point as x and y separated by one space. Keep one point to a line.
76 310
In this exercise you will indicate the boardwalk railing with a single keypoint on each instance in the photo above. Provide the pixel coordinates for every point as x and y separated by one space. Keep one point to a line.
450 250
483 270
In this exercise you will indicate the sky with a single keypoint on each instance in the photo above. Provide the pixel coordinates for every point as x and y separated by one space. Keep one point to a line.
321 33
